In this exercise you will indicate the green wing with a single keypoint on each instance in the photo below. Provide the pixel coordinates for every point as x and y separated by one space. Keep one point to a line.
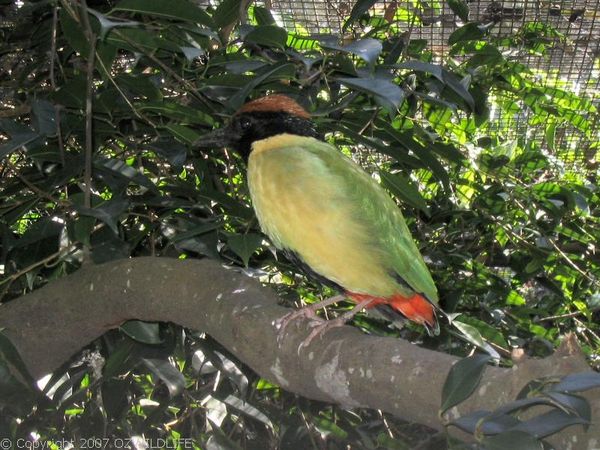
380 214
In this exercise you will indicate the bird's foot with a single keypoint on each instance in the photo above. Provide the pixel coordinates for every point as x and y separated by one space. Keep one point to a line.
320 329
307 312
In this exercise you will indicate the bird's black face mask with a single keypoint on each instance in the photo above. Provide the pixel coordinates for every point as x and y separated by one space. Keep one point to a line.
246 128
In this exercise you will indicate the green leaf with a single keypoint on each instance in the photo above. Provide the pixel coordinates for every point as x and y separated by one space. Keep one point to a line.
17 388
115 397
244 245
574 403
137 39
486 422
468 32
472 334
384 90
78 41
268 36
551 135
18 141
183 133
107 24
405 190
448 151
164 370
44 117
171 150
463 378
513 440
218 440
359 8
549 423
578 382
170 9
248 410
123 171
368 49
420 66
73 33
454 84
177 111
487 331
44 228
285 70
226 13
10 355
108 212
460 8
144 332
385 441
195 231
81 228
263 16
140 86
327 427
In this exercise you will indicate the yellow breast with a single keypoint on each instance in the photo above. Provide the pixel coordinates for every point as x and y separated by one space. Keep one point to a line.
302 207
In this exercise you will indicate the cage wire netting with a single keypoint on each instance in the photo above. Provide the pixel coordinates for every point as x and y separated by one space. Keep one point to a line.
570 60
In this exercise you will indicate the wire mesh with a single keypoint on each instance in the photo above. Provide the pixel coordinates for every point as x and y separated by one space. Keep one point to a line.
571 59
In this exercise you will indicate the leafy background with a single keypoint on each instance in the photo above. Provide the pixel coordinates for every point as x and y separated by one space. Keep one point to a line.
101 103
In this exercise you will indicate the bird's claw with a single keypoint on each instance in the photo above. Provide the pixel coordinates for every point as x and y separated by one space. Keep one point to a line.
282 323
318 329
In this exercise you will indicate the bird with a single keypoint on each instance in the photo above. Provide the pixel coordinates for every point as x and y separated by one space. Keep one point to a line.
327 215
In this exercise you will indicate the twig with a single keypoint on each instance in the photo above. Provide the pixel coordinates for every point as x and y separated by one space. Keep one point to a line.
53 46
567 315
91 38
42 262
29 184
571 263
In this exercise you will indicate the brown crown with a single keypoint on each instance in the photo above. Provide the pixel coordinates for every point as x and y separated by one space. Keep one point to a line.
275 103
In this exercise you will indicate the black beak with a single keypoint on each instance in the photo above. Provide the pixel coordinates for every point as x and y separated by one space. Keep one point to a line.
221 137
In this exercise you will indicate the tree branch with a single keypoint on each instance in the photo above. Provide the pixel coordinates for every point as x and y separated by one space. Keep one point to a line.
345 366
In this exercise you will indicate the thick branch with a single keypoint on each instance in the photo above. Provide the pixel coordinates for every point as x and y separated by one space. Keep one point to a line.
345 366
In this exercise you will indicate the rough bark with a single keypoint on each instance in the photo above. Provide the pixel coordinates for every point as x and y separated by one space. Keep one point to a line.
345 366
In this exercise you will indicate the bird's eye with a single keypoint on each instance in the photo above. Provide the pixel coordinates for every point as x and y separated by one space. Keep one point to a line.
245 123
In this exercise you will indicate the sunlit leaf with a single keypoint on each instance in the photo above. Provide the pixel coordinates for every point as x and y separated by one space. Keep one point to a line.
367 49
387 92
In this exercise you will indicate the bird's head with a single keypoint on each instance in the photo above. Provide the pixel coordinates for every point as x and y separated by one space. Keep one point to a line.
260 119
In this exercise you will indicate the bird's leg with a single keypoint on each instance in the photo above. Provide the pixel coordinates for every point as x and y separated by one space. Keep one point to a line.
322 327
307 312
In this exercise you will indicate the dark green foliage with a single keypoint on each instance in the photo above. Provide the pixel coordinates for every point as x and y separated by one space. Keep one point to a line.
508 229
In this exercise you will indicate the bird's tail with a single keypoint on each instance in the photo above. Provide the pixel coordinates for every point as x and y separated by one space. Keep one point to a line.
418 309
415 308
